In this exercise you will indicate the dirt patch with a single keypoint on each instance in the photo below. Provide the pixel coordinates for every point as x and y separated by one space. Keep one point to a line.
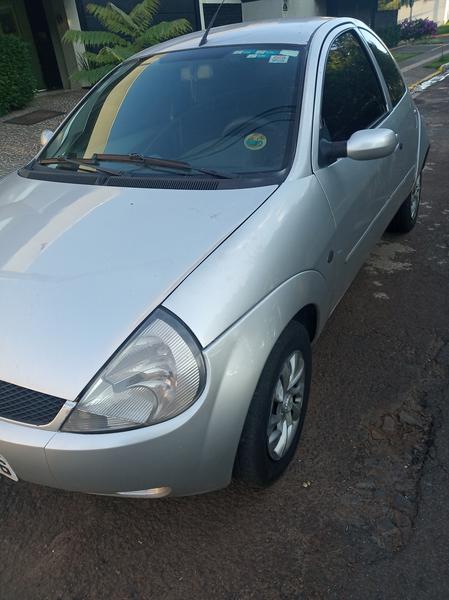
378 511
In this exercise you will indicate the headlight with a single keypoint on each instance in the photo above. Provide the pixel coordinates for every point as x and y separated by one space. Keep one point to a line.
158 374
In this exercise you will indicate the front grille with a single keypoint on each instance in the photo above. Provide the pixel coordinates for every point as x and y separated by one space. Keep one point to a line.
27 406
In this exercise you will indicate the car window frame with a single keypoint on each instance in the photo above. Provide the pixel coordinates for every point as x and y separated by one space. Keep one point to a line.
364 41
319 87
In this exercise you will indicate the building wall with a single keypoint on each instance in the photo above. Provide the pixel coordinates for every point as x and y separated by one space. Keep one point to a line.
261 9
365 10
253 10
72 21
231 12
437 10
61 15
305 8
385 19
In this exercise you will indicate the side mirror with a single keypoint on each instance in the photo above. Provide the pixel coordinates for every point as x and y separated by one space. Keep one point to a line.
367 144
46 136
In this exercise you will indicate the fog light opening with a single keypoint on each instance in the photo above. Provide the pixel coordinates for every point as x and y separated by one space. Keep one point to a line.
157 492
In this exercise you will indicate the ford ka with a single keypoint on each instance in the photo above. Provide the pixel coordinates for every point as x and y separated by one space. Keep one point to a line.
169 257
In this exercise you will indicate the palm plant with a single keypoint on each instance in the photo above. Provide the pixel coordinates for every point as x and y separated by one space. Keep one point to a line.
124 34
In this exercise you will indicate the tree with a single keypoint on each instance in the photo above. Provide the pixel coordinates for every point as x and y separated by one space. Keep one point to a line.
396 4
410 4
124 34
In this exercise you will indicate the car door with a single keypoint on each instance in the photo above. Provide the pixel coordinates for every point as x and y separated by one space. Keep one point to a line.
350 97
403 118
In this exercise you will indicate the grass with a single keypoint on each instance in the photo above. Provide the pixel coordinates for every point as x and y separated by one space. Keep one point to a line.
402 56
443 29
432 41
436 64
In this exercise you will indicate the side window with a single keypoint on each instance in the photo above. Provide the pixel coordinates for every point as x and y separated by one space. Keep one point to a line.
352 95
390 71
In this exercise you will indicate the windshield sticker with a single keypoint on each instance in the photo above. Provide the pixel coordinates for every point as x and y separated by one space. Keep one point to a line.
255 141
277 55
293 53
279 58
245 51
258 52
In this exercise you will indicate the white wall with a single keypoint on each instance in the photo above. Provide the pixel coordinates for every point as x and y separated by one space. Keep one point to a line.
437 10
273 9
303 8
63 15
202 2
262 9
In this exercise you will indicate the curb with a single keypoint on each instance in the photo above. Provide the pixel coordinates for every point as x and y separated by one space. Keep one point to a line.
442 69
433 37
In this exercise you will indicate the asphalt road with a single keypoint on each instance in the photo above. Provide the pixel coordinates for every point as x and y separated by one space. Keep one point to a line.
364 510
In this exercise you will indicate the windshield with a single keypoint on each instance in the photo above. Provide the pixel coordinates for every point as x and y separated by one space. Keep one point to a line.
227 109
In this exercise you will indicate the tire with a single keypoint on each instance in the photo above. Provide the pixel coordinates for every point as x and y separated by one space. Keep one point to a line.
407 215
261 459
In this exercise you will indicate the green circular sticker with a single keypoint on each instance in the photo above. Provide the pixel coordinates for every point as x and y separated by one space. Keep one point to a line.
255 141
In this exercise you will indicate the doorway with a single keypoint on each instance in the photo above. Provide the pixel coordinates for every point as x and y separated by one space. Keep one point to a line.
27 19
43 44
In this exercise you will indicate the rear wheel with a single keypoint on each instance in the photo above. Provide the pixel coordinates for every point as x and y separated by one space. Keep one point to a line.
276 415
407 215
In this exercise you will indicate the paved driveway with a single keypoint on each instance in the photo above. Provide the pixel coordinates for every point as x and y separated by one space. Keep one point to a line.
364 510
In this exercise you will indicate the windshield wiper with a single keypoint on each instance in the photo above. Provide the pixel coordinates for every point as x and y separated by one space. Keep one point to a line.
163 163
88 164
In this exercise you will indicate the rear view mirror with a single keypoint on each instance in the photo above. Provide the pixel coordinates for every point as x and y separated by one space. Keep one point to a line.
367 144
46 136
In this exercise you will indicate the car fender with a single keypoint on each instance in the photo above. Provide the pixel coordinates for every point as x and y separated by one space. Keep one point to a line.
235 362
292 233
423 144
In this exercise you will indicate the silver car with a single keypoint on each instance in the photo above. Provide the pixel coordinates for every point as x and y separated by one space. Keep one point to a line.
170 255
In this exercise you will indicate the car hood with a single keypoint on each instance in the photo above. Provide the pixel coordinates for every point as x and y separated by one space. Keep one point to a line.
82 266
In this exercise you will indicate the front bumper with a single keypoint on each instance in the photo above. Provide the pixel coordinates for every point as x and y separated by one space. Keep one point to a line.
191 453
163 455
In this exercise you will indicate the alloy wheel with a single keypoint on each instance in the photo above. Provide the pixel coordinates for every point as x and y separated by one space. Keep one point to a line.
286 406
415 198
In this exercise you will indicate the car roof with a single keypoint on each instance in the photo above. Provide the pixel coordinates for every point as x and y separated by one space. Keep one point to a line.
281 31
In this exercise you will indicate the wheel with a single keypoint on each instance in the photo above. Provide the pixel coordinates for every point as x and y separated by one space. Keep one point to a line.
405 219
276 415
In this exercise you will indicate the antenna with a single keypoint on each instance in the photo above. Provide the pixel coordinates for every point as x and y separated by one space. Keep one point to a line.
209 27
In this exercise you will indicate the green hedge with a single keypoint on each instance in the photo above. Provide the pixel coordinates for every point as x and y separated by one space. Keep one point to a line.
17 82
390 35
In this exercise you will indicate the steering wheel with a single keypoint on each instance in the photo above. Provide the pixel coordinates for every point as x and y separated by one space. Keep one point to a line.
245 125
